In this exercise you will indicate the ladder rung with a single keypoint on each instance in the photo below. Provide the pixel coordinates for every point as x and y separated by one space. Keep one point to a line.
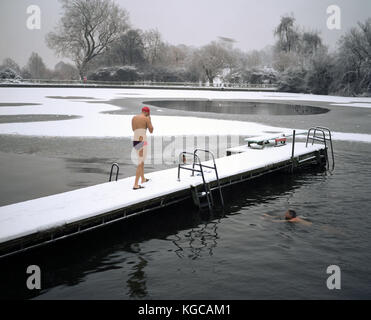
208 190
307 159
317 139
326 136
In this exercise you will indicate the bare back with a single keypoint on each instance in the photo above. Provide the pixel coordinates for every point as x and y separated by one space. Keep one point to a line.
140 123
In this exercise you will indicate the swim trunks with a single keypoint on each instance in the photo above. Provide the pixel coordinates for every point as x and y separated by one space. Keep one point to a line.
138 144
141 149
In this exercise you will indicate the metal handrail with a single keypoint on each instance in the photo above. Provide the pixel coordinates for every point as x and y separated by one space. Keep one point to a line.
330 140
319 139
324 140
214 168
180 166
115 164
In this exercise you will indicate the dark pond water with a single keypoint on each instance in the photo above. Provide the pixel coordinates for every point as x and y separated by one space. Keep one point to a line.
180 253
238 107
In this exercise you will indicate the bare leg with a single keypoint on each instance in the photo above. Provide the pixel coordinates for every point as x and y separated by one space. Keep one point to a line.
139 171
142 155
142 172
137 175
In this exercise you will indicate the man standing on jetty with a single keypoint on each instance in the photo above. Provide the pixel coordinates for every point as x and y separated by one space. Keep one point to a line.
140 123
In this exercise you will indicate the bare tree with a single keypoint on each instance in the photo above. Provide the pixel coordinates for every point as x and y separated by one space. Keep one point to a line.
36 67
293 47
287 34
213 58
129 48
320 73
310 42
153 46
177 55
65 71
86 30
254 59
10 63
353 66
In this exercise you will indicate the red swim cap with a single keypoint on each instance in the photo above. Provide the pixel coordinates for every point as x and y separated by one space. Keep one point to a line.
145 109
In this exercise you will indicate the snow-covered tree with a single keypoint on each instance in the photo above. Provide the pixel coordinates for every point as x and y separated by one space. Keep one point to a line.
353 63
9 63
36 67
287 33
87 29
213 59
65 71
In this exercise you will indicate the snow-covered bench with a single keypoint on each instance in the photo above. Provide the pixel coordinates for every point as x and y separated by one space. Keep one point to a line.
259 142
278 138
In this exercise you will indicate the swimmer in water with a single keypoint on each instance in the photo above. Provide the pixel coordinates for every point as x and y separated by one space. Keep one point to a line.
290 216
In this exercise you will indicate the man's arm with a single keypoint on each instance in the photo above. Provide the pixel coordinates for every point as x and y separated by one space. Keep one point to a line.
272 218
149 124
132 124
299 220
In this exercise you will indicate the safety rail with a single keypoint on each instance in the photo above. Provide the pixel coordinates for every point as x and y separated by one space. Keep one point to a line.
207 191
115 164
213 168
323 139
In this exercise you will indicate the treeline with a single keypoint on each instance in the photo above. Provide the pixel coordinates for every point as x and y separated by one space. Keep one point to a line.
97 36
35 68
305 65
143 55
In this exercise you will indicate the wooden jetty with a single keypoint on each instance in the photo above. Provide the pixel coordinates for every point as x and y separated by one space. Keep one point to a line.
41 221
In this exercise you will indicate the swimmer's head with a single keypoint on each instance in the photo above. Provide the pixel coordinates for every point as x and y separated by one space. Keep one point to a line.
290 214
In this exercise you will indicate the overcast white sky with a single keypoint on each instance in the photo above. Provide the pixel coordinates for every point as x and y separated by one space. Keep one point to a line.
191 22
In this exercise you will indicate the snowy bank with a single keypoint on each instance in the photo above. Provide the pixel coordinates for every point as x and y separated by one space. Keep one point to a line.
94 123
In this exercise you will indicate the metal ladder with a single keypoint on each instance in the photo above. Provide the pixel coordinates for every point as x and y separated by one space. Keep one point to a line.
115 164
197 195
216 174
322 137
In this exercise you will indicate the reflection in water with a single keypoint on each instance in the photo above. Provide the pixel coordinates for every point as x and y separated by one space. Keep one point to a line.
238 107
197 240
195 236
89 165
137 279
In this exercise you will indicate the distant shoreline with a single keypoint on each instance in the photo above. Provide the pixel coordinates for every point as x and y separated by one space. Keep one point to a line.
113 86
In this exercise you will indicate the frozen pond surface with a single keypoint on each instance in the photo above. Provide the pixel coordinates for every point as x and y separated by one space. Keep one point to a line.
104 113
179 253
